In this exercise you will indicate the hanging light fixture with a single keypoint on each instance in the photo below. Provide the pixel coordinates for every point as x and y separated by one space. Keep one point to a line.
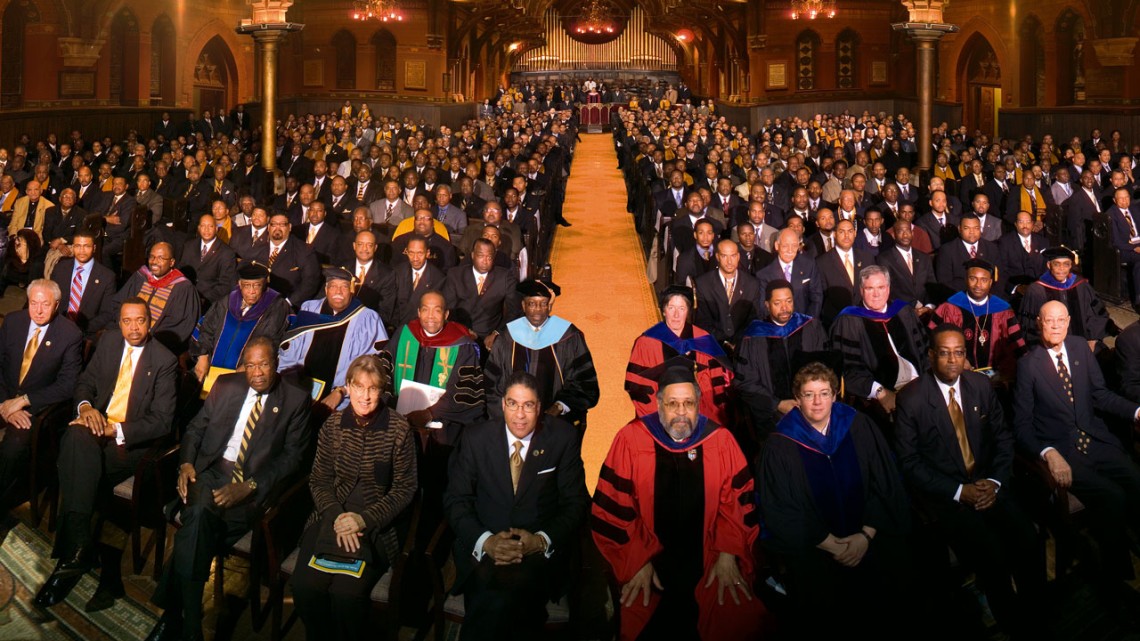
812 9
382 10
597 18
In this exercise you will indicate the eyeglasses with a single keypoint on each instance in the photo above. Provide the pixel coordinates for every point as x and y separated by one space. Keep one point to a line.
826 395
676 406
362 390
529 407
945 353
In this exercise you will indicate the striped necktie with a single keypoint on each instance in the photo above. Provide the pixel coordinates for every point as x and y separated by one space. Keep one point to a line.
29 354
250 423
74 299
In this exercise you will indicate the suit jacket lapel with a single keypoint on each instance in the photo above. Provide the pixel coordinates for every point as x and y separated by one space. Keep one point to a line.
532 463
973 422
945 426
1055 383
270 406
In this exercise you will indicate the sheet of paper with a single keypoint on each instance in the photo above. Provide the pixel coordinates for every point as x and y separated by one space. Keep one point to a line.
417 396
212 376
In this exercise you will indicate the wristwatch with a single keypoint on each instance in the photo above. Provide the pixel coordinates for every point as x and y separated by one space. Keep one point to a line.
252 484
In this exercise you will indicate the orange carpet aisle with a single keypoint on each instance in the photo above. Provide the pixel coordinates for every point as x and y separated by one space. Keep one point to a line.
600 267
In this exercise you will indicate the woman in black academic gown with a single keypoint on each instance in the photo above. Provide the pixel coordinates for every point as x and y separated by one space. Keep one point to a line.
834 512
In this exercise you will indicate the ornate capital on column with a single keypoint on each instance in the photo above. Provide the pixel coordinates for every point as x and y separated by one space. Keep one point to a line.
80 52
756 43
925 31
1115 52
925 10
269 11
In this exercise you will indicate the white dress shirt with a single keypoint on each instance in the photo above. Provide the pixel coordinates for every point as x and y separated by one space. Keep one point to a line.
233 447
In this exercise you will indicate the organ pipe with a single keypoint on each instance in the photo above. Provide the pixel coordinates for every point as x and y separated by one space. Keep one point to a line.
635 48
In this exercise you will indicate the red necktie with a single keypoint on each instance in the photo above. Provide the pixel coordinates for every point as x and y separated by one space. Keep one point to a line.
76 294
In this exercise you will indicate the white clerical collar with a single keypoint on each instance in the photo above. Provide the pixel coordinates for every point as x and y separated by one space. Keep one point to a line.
978 302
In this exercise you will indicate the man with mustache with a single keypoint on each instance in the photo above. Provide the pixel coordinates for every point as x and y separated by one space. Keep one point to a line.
686 571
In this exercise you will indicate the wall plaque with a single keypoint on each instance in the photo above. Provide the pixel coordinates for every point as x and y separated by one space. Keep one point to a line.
77 84
415 74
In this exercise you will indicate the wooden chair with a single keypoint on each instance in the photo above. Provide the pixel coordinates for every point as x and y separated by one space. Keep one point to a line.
1058 510
142 498
43 477
386 601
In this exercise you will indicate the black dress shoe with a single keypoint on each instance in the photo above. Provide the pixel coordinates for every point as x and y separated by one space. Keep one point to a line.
105 596
562 222
63 580
167 629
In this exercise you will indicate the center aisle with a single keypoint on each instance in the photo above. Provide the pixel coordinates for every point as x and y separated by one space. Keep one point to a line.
599 266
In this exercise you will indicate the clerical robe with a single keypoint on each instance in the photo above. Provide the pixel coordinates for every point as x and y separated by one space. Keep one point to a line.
874 345
1088 316
556 354
171 300
448 360
322 344
767 359
224 331
993 335
646 510
659 348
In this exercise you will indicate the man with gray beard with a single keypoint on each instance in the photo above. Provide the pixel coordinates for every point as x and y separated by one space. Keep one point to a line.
685 569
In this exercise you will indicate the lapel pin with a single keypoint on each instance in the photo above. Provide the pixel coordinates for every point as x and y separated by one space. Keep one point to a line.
538 452
96 281
47 343
693 454
274 410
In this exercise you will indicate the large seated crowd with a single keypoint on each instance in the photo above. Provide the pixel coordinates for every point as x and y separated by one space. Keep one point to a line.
857 369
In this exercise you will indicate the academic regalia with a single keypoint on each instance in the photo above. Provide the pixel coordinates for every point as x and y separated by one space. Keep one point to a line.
171 300
812 485
993 335
860 336
324 344
224 331
556 354
767 359
449 360
659 349
1088 316
645 510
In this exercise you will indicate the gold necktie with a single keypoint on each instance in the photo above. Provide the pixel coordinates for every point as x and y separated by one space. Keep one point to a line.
250 423
312 235
273 256
849 267
360 279
29 354
479 283
729 285
416 280
959 421
516 465
909 263
117 410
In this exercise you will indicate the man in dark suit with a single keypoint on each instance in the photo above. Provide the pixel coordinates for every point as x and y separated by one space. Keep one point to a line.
685 220
117 210
998 189
41 355
296 165
950 263
1057 404
375 283
294 271
939 223
209 263
245 444
340 203
483 297
89 196
86 286
717 313
124 401
62 221
1021 253
440 250
516 499
956 452
1080 209
414 276
673 198
322 237
697 259
1126 236
1028 197
1128 361
799 270
839 269
248 239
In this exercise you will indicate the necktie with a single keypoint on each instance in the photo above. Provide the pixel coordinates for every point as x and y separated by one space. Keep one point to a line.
312 235
788 273
479 281
250 423
388 213
273 256
906 191
29 353
516 464
205 249
117 410
76 294
973 251
959 421
729 286
360 277
850 267
909 262
1028 246
826 244
360 192
1131 223
256 237
1033 200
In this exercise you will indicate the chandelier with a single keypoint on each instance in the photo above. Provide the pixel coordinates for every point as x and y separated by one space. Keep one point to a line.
383 10
812 9
596 18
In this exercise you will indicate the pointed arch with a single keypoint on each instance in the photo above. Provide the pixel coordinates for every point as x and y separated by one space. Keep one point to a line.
163 61
344 52
807 50
846 59
1031 65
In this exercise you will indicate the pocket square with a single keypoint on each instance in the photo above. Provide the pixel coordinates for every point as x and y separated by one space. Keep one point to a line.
806 280
295 269
550 469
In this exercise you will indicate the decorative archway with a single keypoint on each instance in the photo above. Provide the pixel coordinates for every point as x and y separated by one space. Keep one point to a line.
123 51
17 16
163 64
215 77
846 59
344 53
807 48
385 44
979 84
1070 33
1032 67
